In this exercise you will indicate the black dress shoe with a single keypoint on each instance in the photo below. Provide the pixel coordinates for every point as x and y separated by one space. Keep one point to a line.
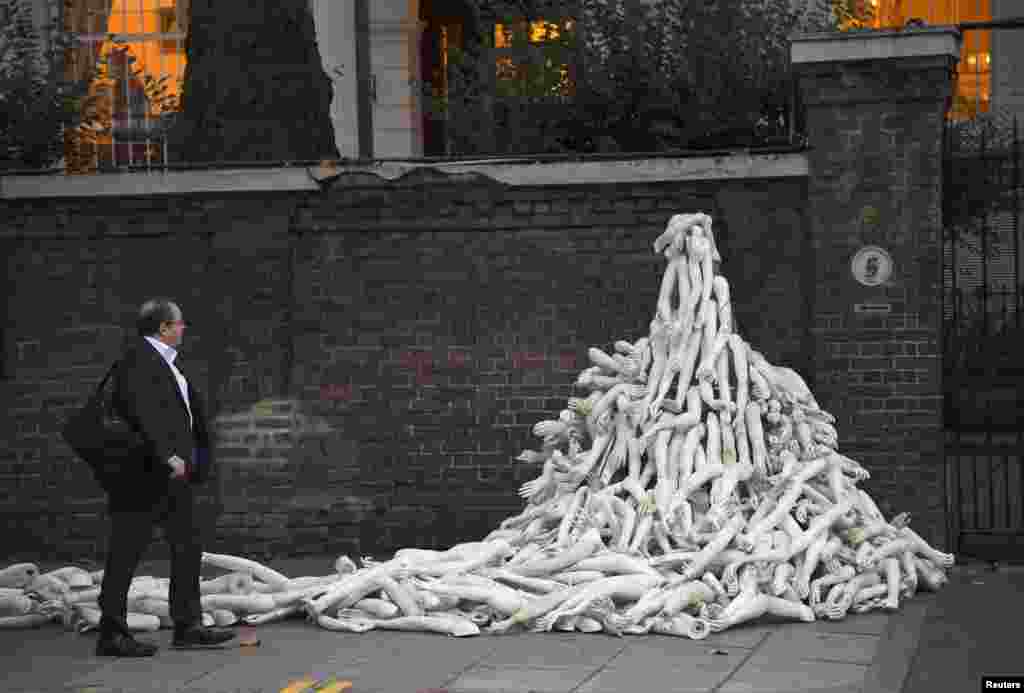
198 637
121 645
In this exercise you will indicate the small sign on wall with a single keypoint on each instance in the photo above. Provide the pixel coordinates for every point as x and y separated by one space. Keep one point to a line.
872 308
871 266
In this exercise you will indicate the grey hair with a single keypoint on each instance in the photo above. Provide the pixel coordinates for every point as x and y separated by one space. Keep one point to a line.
154 313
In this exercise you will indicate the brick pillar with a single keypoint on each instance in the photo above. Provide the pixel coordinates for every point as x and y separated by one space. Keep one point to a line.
875 115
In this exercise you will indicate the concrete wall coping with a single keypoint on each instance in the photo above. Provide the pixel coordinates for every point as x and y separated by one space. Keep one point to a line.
513 173
876 45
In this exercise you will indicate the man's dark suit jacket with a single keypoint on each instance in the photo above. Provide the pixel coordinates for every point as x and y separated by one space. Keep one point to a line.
147 396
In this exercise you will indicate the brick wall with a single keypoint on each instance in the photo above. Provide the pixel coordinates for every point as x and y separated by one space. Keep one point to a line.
78 270
374 355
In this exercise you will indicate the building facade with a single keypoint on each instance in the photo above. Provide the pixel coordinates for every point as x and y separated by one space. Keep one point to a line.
379 55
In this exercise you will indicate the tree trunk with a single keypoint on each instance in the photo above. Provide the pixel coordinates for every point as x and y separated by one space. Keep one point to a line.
255 88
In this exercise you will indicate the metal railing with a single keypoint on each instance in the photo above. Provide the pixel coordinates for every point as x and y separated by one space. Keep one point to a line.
985 311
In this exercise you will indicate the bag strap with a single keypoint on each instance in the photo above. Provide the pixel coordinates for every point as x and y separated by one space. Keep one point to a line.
110 371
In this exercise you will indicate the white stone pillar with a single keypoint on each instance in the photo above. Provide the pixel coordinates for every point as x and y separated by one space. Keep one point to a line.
336 39
395 32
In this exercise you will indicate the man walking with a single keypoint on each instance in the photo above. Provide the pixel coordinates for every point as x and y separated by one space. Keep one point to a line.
153 394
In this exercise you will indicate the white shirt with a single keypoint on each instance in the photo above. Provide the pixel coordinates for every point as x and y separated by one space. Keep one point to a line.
169 353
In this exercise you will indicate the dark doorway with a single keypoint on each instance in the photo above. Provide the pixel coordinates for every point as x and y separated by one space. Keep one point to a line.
443 33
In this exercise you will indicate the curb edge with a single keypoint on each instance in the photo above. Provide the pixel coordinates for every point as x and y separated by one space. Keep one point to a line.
896 648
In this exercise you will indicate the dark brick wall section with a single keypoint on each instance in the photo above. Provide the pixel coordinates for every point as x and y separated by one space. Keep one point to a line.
81 268
875 179
462 337
375 355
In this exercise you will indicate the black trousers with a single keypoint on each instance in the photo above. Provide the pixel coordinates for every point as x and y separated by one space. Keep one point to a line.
131 532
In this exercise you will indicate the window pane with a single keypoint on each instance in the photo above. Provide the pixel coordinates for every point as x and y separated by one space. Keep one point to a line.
542 31
502 36
168 20
531 69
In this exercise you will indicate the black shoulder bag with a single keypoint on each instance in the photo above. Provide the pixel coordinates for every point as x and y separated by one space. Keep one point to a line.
101 438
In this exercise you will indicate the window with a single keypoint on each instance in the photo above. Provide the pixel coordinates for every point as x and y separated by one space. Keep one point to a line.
169 25
528 69
148 46
973 93
533 59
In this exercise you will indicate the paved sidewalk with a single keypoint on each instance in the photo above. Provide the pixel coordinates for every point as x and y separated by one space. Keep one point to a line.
872 653
972 630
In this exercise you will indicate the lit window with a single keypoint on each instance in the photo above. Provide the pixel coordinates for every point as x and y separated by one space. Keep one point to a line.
169 25
148 46
513 69
979 62
540 31
974 81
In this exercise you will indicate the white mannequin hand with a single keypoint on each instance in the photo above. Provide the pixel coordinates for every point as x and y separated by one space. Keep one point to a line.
178 469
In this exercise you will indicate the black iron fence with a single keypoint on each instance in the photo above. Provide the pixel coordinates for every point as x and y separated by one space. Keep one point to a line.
983 311
983 202
983 335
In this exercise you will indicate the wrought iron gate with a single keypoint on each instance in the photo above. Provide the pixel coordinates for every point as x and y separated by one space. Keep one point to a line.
983 349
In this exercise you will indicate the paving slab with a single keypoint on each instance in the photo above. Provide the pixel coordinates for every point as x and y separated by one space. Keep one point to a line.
871 623
662 650
412 661
554 650
662 670
387 660
801 645
387 647
507 679
140 676
370 677
896 647
170 670
746 635
43 658
971 630
245 673
771 675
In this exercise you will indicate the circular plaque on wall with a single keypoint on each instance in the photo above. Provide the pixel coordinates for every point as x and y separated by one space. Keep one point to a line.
871 266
